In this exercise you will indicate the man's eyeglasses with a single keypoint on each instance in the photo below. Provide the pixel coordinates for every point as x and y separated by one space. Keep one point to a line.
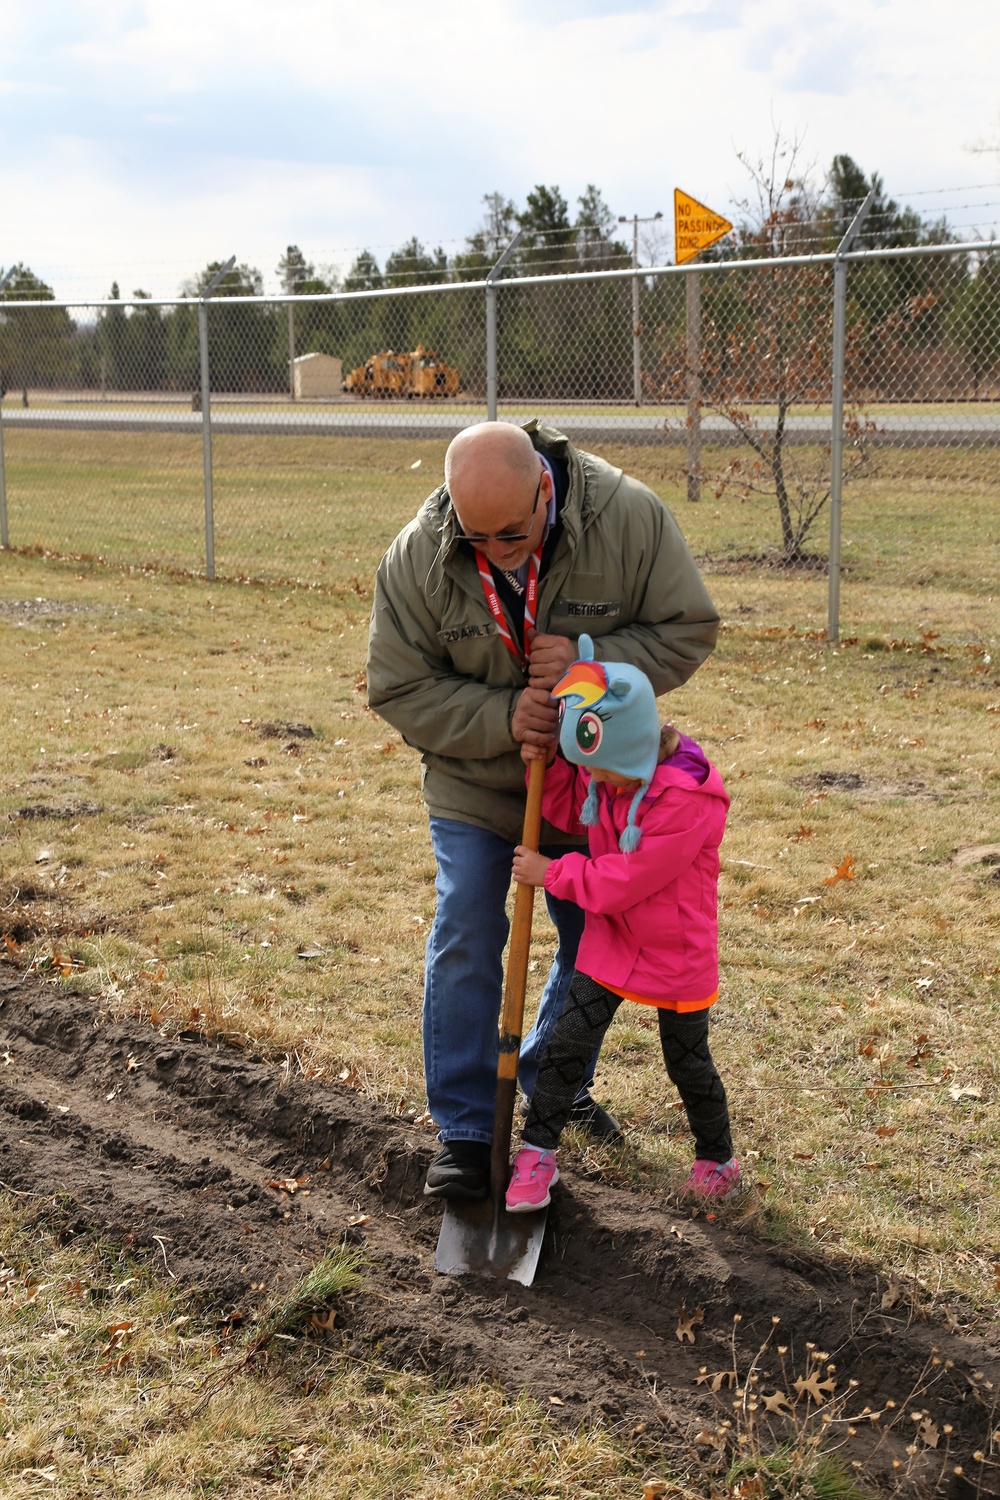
482 539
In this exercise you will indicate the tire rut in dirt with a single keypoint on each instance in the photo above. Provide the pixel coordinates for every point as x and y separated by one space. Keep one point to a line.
167 1147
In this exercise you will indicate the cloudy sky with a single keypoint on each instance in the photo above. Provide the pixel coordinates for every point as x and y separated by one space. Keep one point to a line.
140 139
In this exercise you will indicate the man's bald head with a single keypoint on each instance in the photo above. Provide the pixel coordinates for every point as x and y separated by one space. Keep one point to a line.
485 448
498 484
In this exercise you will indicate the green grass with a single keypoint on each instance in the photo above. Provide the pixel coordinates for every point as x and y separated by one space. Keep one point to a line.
921 539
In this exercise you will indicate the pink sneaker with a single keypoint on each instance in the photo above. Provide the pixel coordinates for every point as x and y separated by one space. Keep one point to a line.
535 1171
713 1179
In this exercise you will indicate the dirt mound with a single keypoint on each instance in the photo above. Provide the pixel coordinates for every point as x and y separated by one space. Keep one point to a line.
232 1176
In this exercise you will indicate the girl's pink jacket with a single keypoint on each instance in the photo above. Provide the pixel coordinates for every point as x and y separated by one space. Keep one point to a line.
652 923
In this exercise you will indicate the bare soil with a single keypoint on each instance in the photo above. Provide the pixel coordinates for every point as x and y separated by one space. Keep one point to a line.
172 1148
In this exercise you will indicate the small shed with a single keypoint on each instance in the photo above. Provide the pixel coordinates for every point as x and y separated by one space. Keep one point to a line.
316 375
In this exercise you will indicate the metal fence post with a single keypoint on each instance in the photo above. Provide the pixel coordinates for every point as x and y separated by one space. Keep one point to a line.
291 350
636 324
491 326
837 417
491 354
4 533
692 293
206 414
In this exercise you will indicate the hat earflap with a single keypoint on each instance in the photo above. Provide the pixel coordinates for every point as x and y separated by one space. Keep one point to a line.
590 812
630 834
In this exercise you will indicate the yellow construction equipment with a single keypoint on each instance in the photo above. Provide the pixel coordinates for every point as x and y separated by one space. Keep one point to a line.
418 374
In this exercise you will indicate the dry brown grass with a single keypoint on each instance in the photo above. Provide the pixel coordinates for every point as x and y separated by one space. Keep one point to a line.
220 855
103 1393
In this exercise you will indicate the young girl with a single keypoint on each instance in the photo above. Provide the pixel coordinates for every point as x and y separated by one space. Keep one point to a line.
654 809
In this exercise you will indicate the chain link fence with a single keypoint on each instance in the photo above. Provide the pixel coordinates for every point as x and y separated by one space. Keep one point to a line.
258 437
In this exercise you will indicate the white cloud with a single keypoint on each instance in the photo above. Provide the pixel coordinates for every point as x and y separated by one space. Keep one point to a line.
158 133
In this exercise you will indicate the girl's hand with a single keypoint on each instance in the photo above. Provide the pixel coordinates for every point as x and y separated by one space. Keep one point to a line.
537 752
529 867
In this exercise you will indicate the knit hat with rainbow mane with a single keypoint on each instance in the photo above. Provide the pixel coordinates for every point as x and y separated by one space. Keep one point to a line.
609 720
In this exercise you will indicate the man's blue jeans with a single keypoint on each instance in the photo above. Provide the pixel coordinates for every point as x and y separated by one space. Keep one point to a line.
463 983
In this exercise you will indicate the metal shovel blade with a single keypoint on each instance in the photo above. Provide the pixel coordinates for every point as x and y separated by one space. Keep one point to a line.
476 1241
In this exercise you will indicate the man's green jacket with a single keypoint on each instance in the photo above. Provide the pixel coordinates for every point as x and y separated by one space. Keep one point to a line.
440 673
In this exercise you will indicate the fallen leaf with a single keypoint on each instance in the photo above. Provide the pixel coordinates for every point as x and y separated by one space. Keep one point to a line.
655 1489
326 1322
709 1437
288 1185
715 1382
357 1219
556 1401
928 1433
817 1390
844 871
891 1295
885 1131
958 1092
778 1404
686 1324
803 1155
118 1333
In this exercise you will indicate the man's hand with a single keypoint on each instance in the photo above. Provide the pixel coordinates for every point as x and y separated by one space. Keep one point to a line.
529 867
551 658
536 717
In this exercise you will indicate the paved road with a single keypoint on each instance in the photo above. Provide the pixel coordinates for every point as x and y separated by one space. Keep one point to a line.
915 431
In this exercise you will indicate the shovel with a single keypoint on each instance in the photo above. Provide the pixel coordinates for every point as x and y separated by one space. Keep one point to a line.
483 1239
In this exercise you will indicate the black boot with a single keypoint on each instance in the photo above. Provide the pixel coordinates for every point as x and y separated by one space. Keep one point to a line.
461 1169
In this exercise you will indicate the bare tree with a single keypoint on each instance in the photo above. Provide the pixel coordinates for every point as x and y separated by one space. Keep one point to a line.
766 351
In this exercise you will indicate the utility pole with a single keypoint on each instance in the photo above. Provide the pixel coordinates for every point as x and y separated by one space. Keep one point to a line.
636 325
492 277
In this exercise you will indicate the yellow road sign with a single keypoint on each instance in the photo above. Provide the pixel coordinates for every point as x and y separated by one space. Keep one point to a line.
695 227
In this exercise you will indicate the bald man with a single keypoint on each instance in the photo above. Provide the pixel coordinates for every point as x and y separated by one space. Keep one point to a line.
479 604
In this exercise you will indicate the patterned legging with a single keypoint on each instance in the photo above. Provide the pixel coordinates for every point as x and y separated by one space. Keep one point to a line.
586 1016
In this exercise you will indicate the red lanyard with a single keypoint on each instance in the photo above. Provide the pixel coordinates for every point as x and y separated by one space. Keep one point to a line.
496 609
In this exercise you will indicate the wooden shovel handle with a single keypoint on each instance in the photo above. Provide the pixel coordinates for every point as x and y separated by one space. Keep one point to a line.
512 1016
